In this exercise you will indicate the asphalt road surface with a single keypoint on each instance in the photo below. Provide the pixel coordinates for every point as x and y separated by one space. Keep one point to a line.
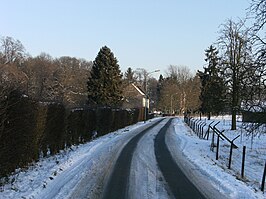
179 184
117 187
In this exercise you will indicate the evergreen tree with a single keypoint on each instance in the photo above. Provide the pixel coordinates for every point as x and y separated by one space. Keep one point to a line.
159 88
212 87
129 76
105 82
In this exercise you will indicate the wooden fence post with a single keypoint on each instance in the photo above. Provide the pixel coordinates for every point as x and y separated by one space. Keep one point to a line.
243 162
230 156
208 131
197 129
263 178
212 143
231 151
217 151
202 124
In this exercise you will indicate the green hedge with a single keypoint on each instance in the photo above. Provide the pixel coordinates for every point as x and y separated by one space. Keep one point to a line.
80 125
32 129
18 136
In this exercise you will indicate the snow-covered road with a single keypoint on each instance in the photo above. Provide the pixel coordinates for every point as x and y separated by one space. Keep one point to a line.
83 172
144 169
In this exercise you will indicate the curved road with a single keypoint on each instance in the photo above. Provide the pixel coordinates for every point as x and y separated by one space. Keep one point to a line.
177 184
117 186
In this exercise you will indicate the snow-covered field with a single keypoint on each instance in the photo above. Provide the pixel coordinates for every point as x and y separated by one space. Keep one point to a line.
255 152
227 181
61 176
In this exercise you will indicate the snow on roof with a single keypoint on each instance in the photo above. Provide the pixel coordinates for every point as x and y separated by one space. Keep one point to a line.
138 89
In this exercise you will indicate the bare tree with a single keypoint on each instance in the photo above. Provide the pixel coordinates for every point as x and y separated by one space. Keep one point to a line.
180 90
258 11
11 51
192 93
168 99
72 79
40 71
255 101
189 87
236 59
141 76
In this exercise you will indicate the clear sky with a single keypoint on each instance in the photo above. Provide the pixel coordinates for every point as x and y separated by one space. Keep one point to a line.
150 34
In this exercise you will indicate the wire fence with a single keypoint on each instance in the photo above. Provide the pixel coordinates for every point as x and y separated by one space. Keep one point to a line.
232 151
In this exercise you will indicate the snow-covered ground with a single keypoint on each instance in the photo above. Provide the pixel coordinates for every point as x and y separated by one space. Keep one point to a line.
255 152
198 152
144 169
57 176
61 176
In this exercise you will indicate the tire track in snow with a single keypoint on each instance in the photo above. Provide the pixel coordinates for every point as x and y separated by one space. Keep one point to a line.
146 179
103 160
179 184
117 186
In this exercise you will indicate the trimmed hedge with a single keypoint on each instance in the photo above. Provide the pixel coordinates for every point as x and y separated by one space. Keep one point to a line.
80 126
33 130
18 135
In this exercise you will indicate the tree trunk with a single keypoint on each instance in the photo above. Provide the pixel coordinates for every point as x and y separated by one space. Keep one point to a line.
234 99
209 115
233 125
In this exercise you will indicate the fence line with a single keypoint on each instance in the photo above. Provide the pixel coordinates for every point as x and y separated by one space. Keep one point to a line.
198 125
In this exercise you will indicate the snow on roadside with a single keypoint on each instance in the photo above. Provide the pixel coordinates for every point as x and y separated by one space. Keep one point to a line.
198 153
255 151
67 167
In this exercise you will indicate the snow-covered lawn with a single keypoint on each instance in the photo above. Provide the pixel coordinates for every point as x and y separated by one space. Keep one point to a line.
255 152
50 175
227 181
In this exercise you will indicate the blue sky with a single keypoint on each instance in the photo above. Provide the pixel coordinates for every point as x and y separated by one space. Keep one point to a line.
150 34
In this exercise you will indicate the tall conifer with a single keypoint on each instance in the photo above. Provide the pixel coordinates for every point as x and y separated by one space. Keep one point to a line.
212 86
105 82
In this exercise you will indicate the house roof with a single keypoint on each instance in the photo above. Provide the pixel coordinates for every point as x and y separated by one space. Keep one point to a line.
138 89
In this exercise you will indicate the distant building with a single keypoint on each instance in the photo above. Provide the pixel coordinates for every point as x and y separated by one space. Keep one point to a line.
134 97
255 112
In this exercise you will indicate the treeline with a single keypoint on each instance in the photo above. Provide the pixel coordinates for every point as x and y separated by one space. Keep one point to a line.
67 79
43 78
233 79
48 104
33 129
36 94
174 93
179 91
